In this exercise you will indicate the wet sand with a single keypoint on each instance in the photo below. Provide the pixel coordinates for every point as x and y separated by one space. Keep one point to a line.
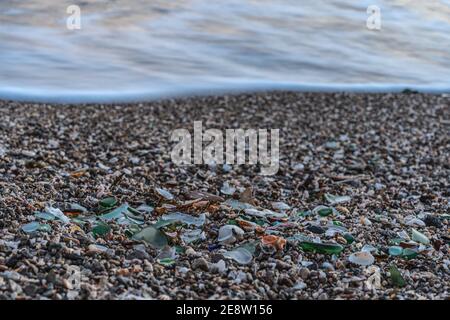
388 152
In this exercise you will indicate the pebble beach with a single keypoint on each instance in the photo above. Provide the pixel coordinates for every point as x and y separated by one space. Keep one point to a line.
359 208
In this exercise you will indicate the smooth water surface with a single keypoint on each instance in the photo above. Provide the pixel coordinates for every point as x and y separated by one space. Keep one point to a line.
132 49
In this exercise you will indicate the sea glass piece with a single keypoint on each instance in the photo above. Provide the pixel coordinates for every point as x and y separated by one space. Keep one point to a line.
325 248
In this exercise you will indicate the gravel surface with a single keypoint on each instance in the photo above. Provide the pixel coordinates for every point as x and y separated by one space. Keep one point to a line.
388 154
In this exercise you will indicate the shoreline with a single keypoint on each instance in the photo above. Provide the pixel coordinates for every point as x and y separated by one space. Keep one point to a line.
388 152
146 96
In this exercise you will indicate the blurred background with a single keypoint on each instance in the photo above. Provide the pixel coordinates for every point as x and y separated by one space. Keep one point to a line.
130 49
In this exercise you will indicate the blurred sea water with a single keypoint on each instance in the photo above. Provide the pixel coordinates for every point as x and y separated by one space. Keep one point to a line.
136 49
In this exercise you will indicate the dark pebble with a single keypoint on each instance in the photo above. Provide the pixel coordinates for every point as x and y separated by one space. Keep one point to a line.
315 229
30 290
432 221
138 254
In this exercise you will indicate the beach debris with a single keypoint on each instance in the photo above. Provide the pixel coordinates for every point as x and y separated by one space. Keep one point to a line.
334 145
342 210
227 189
167 252
419 237
164 223
229 234
131 230
45 227
218 267
237 205
44 216
298 166
128 221
201 195
145 208
396 276
281 206
116 213
413 221
395 250
363 258
153 236
58 214
226 167
365 221
101 229
108 202
191 236
408 244
368 248
299 237
167 262
327 266
238 277
315 229
249 225
247 196
186 218
403 235
77 208
134 216
35 226
332 199
240 255
334 228
374 280
299 285
273 241
325 248
165 194
265 213
323 211
99 249
73 228
14 245
2 151
409 253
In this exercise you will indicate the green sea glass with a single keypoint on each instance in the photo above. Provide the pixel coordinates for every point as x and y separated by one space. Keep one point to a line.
325 212
108 202
325 248
101 230
349 238
396 277
409 253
